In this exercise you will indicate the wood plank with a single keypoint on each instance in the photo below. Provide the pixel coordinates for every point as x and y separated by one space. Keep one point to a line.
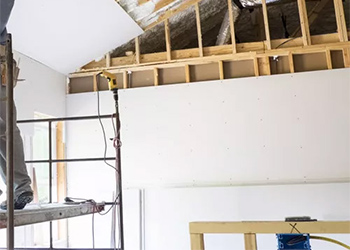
264 66
291 63
329 59
137 50
271 227
125 80
95 83
167 39
221 70
172 12
304 23
187 73
162 3
156 77
346 54
197 242
232 26
108 60
340 18
266 24
61 178
256 66
199 30
33 214
250 241
313 15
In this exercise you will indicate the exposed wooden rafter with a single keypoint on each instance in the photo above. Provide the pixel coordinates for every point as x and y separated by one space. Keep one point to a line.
199 30
304 22
232 26
172 12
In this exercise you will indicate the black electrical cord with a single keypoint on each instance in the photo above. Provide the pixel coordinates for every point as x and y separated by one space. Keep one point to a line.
117 144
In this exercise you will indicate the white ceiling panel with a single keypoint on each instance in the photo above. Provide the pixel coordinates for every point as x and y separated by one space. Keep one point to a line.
66 34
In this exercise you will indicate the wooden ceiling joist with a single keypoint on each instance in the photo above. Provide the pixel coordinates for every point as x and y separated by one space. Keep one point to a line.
232 26
172 12
304 22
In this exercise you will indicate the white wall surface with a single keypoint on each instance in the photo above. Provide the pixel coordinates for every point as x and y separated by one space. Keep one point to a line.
63 34
43 89
259 139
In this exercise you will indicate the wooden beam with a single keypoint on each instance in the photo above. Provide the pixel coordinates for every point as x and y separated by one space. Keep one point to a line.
291 63
256 66
346 55
167 39
187 73
125 80
156 77
162 3
108 60
95 83
304 23
137 50
199 30
340 18
61 178
232 26
312 17
329 59
250 241
271 227
197 242
172 12
264 66
266 23
221 70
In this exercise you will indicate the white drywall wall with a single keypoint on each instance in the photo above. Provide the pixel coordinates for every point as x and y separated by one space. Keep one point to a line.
283 129
64 34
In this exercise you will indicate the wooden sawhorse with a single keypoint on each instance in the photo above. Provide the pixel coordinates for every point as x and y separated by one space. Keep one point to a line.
251 228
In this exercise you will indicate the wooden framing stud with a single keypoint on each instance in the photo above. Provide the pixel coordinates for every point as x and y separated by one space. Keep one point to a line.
125 80
329 59
197 242
291 63
199 30
167 39
95 82
108 60
340 18
137 50
250 241
256 66
346 55
304 23
232 26
156 77
265 67
266 23
221 70
187 73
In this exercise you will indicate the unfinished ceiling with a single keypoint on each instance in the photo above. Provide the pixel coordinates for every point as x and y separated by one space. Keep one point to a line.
283 20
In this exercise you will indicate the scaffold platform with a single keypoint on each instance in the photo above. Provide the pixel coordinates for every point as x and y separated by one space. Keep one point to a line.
37 213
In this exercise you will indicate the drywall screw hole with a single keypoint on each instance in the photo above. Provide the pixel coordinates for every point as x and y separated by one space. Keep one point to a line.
60 214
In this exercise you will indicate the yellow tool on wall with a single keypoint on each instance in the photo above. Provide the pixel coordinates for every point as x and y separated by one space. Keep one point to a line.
111 78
